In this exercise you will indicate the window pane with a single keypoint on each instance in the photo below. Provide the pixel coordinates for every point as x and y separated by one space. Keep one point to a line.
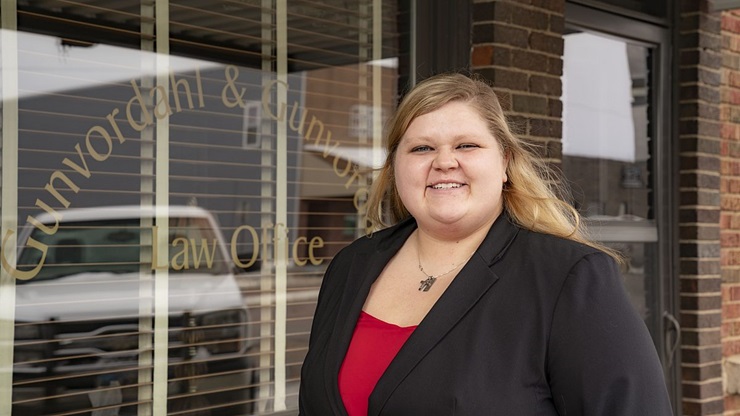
607 153
261 125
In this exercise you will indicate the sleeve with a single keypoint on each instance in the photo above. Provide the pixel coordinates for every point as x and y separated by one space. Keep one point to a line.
601 359
311 390
327 300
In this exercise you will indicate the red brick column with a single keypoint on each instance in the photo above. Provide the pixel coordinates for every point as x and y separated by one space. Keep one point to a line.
699 50
518 45
730 194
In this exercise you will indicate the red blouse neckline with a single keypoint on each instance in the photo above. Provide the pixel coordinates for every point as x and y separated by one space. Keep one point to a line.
373 346
366 315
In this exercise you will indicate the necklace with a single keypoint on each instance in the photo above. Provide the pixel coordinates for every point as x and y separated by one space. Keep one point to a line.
427 283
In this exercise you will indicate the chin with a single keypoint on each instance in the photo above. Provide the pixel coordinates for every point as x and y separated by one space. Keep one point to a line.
448 219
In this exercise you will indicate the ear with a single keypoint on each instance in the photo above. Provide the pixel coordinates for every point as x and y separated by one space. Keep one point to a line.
507 157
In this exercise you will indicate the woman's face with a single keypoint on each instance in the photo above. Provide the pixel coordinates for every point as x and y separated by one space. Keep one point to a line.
450 171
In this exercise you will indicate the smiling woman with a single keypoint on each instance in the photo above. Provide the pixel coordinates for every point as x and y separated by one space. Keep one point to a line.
451 170
516 327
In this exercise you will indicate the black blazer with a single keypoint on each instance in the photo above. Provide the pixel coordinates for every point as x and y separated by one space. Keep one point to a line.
532 325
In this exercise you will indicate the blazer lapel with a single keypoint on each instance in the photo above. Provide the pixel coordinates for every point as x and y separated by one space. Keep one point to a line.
471 284
364 269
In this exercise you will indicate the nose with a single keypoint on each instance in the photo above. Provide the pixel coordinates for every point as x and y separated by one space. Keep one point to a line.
445 159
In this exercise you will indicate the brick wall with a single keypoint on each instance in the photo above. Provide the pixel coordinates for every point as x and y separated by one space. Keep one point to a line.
699 46
519 46
730 193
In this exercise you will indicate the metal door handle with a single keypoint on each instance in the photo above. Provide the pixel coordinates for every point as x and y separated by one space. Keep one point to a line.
671 347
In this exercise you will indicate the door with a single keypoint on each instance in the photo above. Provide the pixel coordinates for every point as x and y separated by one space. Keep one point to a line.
616 157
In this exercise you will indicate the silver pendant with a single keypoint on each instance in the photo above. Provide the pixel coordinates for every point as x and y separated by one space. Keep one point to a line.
427 283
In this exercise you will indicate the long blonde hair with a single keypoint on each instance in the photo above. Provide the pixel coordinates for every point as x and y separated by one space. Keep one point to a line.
533 197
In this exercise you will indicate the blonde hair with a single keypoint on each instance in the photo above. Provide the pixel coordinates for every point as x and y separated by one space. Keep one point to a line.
532 196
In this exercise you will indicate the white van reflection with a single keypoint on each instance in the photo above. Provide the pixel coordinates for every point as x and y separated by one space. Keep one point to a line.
84 324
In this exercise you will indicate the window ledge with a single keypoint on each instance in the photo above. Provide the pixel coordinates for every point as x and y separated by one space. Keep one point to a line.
731 374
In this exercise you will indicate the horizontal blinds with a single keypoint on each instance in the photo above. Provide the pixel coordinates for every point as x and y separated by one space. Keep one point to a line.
87 141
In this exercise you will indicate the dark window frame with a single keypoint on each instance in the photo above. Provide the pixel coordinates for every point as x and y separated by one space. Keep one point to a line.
637 12
443 36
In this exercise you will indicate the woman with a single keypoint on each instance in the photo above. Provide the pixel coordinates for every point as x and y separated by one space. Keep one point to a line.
485 297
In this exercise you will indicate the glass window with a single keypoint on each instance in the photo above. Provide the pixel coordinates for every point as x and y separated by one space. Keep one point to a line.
180 193
618 154
608 153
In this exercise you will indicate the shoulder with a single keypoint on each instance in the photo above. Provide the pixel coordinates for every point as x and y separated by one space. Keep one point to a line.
554 251
580 266
559 244
601 358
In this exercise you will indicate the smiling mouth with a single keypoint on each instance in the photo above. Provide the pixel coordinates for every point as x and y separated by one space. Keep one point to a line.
446 186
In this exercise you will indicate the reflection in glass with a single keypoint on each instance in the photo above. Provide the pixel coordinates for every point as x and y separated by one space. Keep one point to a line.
78 318
607 153
103 122
605 130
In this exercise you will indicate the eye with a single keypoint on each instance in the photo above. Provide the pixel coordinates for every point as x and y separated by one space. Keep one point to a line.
422 148
468 146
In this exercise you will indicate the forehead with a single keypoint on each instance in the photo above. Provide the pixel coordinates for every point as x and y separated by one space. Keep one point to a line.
452 119
454 106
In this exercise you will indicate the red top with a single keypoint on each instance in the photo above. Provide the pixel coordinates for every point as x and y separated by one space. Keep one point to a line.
373 346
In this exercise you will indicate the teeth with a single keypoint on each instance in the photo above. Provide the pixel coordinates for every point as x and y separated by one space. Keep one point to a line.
446 185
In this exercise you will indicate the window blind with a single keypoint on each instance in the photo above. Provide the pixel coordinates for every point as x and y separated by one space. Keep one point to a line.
274 114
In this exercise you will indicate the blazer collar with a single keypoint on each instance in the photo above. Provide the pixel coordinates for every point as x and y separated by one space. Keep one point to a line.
472 282
470 285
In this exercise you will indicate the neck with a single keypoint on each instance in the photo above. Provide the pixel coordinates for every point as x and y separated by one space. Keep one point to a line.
435 245
438 256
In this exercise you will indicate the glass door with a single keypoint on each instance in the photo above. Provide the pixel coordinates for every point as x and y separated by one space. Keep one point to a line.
617 160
